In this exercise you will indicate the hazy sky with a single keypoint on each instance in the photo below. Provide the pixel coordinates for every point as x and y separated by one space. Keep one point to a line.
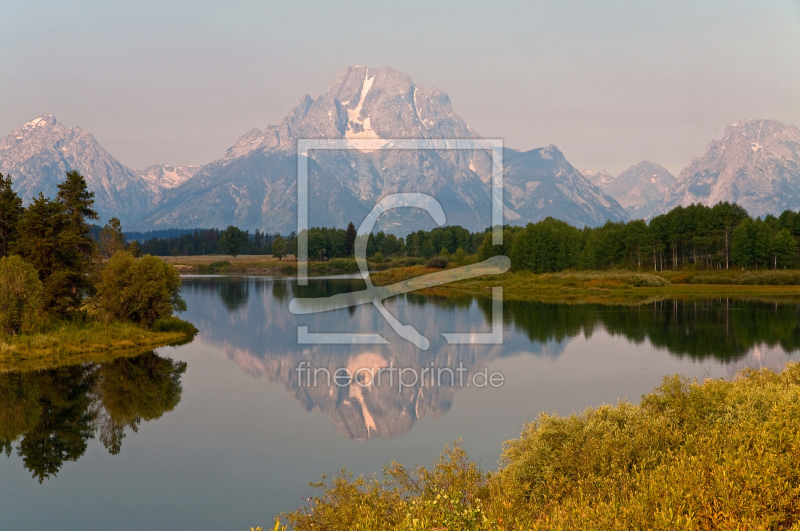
610 83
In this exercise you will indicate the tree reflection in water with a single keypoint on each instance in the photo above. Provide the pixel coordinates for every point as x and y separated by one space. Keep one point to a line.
53 413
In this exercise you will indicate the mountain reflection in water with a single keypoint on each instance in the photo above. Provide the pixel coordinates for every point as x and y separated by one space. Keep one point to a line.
255 328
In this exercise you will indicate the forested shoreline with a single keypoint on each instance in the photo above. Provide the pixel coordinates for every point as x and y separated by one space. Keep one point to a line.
720 237
59 280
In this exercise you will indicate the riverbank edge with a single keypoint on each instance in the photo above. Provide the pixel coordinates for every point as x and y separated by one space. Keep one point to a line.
603 287
92 342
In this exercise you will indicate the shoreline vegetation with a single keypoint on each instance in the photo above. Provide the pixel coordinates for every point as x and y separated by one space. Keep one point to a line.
65 343
610 287
721 454
69 297
692 251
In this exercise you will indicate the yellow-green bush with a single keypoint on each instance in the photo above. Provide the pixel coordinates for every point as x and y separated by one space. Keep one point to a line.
20 295
138 290
717 455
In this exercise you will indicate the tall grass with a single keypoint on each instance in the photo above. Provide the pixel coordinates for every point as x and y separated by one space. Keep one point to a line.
764 277
60 343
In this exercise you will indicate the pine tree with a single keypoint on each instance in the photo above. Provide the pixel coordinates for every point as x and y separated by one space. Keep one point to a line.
40 241
112 239
78 201
350 239
79 248
742 243
10 211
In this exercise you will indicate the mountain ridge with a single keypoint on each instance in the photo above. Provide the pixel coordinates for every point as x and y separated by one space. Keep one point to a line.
640 189
38 153
363 102
253 184
756 164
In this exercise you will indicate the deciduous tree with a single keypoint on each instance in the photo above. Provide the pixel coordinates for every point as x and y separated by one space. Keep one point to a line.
140 291
233 240
20 294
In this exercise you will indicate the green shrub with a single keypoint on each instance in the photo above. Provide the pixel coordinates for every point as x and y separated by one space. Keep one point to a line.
140 291
437 262
718 455
221 267
20 295
406 261
173 324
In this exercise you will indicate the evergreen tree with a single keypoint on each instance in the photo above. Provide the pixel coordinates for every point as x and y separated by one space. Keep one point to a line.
78 201
79 248
112 239
742 243
10 211
350 239
40 241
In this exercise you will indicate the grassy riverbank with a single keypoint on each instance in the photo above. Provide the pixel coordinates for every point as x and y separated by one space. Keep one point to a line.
714 455
615 287
255 265
69 343
609 287
271 266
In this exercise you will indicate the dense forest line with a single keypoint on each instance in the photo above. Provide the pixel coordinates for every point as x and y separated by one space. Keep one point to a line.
719 237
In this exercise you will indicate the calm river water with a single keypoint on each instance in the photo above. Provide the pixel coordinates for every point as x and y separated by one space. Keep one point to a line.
224 432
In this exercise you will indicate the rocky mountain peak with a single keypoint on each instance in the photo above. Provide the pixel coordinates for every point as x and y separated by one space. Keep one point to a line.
166 176
763 139
40 123
38 153
756 164
43 128
599 178
362 102
254 185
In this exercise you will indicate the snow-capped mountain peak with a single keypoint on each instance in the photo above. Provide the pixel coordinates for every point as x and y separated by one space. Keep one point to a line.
38 153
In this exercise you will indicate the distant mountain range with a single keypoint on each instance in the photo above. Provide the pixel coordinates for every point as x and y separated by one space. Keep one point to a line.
254 185
756 165
641 189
